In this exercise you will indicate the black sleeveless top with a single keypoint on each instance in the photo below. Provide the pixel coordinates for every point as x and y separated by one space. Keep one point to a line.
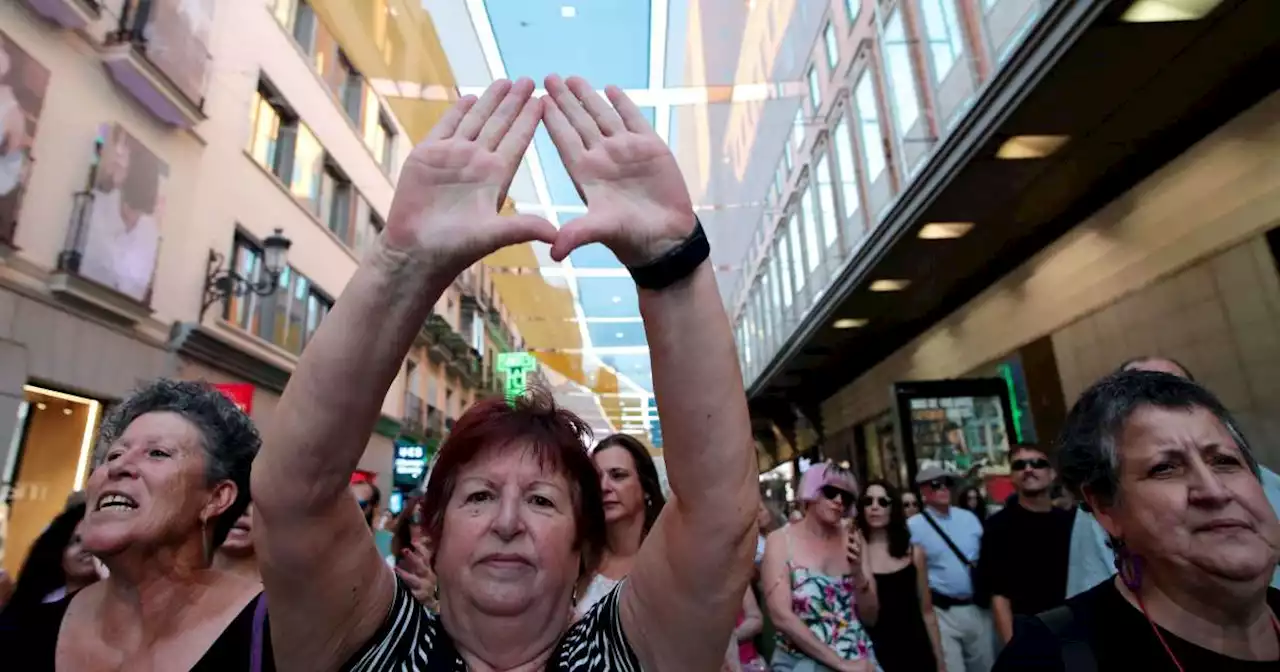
900 638
32 637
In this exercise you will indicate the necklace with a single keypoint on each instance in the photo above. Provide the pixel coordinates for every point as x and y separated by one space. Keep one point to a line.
1156 629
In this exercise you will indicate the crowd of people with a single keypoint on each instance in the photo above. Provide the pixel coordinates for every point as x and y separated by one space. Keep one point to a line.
199 544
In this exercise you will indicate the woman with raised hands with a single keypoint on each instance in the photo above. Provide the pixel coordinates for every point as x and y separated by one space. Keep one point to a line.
513 505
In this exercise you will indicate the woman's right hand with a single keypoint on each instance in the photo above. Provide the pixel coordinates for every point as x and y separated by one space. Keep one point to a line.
415 570
445 210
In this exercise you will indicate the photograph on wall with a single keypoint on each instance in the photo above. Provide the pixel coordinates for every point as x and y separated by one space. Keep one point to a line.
121 235
23 82
963 426
177 39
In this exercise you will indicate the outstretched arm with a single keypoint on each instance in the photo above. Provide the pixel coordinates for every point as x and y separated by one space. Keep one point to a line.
683 593
328 588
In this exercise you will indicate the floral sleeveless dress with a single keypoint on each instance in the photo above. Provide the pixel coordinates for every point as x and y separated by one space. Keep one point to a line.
827 605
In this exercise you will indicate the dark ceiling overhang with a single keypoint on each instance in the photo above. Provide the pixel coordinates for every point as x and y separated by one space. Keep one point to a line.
1131 96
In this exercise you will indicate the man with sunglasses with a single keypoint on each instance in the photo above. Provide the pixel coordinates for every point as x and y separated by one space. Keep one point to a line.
1026 545
952 538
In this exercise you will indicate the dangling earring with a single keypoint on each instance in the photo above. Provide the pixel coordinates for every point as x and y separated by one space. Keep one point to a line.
204 541
573 599
1128 565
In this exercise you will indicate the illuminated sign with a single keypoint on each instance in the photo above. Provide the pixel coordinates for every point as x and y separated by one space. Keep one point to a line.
409 464
517 366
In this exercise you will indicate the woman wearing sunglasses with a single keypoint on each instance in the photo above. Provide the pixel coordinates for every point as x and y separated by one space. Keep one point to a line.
906 632
817 581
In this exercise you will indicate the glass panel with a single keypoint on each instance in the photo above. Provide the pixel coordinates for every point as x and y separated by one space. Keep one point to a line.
304 27
784 268
308 166
944 36
815 89
826 196
869 124
844 163
851 9
778 302
240 309
902 81
298 305
812 252
766 308
284 11
832 46
271 309
264 131
793 226
797 129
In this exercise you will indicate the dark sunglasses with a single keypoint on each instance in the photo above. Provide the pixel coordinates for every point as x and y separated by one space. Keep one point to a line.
940 483
1037 463
910 504
364 503
884 502
832 492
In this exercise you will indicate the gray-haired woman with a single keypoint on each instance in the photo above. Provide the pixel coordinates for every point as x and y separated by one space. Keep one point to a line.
1171 479
171 479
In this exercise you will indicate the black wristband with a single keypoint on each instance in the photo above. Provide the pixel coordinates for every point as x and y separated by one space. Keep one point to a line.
675 265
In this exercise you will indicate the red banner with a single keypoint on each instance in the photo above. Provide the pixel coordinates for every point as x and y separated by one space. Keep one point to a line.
240 393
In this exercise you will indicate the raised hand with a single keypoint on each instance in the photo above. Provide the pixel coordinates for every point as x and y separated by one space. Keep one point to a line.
445 209
415 570
637 201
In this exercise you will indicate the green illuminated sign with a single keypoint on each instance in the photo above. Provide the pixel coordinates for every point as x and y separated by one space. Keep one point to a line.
1006 372
517 366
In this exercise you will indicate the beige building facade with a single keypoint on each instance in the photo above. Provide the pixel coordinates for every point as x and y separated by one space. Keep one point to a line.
136 171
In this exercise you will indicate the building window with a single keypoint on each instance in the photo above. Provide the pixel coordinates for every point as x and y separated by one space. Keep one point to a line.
777 290
285 12
784 269
787 157
308 170
336 197
868 113
289 317
944 36
826 198
797 256
797 129
901 75
812 251
304 26
848 173
815 89
350 89
368 226
851 10
832 46
273 130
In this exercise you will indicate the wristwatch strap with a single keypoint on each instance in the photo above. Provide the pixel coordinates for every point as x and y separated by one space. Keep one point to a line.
675 265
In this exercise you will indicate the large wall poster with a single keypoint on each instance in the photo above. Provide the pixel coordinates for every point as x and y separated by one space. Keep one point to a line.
122 232
23 82
177 34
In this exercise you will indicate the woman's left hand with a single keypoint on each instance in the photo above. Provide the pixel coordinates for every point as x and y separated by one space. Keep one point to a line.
637 202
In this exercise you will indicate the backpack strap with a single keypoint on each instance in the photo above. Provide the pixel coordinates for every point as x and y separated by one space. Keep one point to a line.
1077 652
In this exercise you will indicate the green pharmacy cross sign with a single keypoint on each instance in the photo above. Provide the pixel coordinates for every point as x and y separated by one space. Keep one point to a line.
517 366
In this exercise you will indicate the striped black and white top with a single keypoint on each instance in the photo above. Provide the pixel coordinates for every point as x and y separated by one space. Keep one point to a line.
413 640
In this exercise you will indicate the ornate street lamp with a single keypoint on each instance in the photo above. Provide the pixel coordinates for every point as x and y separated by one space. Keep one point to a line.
222 283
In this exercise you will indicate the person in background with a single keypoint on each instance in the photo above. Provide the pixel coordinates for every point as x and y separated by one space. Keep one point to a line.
1025 546
742 655
367 495
1092 560
1175 485
632 501
768 519
906 631
818 582
971 500
952 540
910 503
171 480
56 566
236 555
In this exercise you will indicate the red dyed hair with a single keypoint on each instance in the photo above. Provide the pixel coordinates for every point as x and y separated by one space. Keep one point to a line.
532 422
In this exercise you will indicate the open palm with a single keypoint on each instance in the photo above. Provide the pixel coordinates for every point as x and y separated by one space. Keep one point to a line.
637 202
453 183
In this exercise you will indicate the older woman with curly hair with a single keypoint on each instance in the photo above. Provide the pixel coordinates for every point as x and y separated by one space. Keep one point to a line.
1171 479
171 479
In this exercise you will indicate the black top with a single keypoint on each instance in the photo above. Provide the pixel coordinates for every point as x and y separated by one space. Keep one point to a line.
413 639
34 640
1024 557
899 635
1120 638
